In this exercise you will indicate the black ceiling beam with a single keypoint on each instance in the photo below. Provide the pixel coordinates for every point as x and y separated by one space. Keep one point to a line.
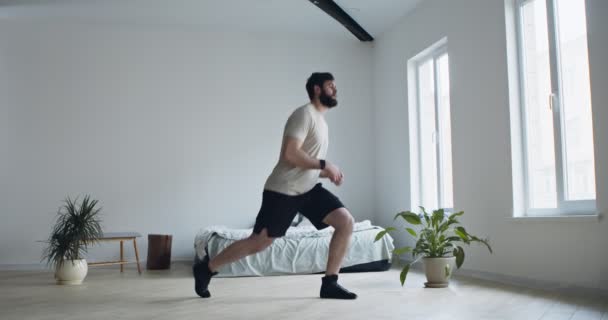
334 10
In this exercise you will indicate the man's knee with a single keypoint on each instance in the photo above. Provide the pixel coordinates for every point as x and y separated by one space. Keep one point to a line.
342 220
348 222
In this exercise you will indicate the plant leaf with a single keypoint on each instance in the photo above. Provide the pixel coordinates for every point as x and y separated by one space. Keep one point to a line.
383 233
462 230
459 254
423 210
453 216
452 239
402 250
484 241
410 217
462 235
437 217
403 274
412 232
380 235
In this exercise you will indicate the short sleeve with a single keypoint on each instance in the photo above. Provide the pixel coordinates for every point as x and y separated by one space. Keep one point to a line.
298 124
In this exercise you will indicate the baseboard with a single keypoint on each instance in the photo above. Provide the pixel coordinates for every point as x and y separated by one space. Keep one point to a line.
553 286
44 266
24 267
524 282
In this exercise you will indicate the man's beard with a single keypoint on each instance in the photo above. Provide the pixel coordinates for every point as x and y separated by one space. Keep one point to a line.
327 100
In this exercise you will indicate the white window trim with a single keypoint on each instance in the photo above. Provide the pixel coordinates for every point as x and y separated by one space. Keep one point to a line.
433 52
564 207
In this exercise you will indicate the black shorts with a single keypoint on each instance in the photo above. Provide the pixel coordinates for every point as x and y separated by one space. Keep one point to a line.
278 209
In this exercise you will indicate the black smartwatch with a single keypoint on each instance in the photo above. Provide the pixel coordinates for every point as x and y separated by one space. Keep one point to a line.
322 162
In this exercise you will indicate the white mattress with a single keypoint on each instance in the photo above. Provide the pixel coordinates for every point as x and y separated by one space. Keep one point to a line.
302 250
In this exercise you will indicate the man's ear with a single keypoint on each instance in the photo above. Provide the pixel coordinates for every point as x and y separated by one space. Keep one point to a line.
317 90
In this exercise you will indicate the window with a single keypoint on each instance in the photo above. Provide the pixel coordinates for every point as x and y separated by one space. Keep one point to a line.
555 101
430 130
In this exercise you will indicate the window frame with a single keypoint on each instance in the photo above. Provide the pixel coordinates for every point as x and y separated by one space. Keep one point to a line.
555 103
433 53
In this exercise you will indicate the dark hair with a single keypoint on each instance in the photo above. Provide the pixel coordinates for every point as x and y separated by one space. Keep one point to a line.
317 79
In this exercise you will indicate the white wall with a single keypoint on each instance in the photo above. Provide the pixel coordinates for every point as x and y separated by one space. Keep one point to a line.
571 252
172 128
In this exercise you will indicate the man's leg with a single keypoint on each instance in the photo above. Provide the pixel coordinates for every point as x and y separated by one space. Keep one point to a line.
242 248
204 270
343 223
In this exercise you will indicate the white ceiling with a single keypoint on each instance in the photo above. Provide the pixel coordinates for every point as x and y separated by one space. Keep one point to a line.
292 16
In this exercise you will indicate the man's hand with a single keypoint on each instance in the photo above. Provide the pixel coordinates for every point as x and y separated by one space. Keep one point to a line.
333 173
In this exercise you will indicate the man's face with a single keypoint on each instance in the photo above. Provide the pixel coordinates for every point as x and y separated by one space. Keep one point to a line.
328 94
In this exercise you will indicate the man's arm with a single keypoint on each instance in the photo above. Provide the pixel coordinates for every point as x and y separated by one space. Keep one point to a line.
293 154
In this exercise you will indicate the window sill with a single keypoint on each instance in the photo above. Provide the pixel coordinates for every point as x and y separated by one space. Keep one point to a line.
592 217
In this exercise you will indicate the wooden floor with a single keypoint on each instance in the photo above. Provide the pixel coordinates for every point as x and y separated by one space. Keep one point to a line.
108 294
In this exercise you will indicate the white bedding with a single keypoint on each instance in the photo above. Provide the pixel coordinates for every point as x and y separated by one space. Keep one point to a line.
302 250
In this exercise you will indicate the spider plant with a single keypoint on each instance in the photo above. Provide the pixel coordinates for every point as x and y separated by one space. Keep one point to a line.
77 226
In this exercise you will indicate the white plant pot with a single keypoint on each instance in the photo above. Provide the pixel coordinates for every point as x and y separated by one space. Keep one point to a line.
71 272
438 271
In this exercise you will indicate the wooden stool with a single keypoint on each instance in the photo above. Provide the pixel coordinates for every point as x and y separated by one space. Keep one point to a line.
120 236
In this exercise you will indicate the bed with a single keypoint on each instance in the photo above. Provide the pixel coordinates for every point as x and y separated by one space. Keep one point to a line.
302 250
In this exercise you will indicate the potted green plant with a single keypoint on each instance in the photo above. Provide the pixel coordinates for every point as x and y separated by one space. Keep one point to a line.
438 243
77 226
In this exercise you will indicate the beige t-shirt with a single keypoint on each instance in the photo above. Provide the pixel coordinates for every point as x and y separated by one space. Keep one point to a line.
307 124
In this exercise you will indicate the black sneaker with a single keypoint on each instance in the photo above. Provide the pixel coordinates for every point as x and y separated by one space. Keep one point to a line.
202 277
330 289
